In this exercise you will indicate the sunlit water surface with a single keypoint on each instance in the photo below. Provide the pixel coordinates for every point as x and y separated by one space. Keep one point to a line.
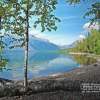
40 64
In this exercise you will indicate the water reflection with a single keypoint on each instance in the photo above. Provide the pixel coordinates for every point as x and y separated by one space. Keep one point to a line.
84 60
3 62
40 64
59 64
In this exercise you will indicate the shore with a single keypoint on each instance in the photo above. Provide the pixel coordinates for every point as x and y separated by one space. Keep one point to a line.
63 86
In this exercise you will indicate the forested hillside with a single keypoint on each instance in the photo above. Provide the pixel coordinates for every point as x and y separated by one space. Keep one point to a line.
91 44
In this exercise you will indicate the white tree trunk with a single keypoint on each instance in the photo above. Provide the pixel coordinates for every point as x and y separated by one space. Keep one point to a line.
26 50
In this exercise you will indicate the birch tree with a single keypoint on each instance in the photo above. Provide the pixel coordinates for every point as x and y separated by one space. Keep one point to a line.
24 15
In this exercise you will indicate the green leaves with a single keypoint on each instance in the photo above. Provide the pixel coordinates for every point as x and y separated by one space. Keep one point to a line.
45 15
89 45
42 10
94 12
40 14
2 11
3 62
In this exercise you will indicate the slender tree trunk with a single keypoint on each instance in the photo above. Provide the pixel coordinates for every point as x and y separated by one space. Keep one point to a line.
26 61
0 23
26 50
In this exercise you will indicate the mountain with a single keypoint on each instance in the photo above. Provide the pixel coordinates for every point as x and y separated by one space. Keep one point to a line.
35 44
41 44
72 45
68 46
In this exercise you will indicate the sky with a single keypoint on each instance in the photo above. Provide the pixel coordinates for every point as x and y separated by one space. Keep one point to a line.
72 26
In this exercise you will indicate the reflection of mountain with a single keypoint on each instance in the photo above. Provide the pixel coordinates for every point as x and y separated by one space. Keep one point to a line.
16 58
16 63
42 57
40 64
56 65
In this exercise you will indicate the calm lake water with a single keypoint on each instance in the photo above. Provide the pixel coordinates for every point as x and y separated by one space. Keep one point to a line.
40 64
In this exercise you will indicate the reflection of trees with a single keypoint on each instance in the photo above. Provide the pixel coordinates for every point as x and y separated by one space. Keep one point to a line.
83 59
3 62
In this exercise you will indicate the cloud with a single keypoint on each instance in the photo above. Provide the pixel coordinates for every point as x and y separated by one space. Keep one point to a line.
68 17
82 36
89 27
38 34
34 32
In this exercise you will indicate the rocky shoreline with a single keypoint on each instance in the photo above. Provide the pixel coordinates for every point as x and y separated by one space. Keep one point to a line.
55 85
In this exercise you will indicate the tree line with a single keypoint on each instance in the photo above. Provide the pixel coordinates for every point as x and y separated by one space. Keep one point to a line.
91 44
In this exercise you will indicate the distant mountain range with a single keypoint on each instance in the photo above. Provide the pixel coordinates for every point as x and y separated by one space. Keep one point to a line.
68 46
36 44
72 45
41 44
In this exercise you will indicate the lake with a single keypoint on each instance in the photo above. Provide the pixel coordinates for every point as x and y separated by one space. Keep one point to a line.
40 64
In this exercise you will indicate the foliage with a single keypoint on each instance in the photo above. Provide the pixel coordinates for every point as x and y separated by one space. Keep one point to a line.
91 44
13 17
93 12
3 62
